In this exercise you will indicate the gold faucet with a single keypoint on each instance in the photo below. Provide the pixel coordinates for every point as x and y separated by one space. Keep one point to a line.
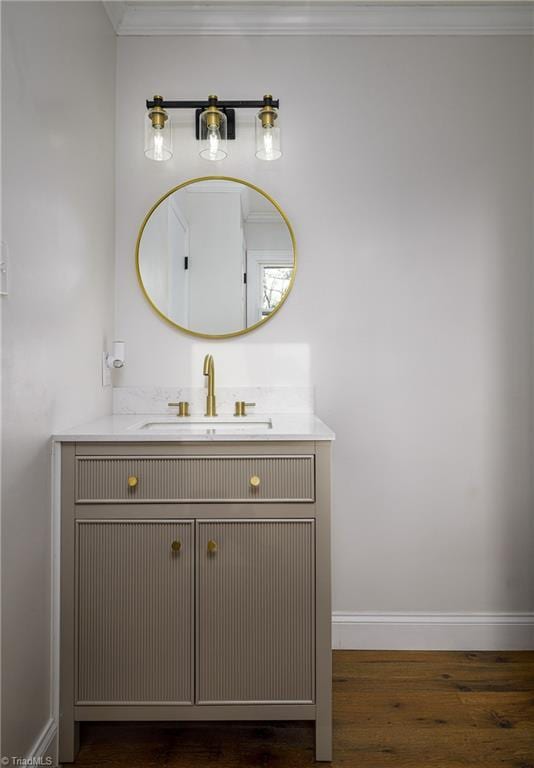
209 371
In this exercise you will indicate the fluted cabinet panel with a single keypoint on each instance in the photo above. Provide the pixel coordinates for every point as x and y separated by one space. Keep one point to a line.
134 612
215 478
255 612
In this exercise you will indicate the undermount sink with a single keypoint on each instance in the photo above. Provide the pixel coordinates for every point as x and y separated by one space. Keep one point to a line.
215 425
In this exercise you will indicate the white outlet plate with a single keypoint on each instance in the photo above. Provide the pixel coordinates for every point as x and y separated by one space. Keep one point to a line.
106 371
3 269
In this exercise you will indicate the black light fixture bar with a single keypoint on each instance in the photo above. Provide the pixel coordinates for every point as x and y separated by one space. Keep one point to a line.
205 104
210 113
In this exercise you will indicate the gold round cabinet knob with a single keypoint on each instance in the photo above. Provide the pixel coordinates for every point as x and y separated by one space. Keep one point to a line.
255 481
132 481
176 546
212 546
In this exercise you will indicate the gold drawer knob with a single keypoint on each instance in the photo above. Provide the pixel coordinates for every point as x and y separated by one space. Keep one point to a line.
212 546
132 481
176 546
255 481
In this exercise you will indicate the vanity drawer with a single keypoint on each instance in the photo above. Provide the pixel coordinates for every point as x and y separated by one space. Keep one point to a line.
131 479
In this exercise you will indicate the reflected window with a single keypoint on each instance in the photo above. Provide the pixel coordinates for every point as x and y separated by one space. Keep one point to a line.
275 282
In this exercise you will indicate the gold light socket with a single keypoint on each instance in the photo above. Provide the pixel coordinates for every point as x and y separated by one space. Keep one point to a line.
213 116
267 113
267 116
158 117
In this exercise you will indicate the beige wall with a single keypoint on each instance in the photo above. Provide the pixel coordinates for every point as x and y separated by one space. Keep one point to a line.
411 200
58 174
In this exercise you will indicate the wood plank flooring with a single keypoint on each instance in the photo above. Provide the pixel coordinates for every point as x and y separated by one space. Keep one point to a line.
391 710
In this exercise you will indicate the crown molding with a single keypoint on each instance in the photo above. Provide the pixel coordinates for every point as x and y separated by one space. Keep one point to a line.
252 17
116 11
263 217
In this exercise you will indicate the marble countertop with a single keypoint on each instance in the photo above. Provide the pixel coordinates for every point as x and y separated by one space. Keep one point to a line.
132 428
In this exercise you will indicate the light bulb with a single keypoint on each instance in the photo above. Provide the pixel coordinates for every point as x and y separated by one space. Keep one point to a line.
214 139
158 142
268 142
158 145
213 147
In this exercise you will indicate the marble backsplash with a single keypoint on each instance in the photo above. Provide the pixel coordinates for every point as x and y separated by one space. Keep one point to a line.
268 400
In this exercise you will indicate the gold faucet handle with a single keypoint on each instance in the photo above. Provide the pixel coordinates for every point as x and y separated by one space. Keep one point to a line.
183 407
241 407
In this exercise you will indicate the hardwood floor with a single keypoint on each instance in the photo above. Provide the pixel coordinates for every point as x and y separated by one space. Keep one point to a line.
391 710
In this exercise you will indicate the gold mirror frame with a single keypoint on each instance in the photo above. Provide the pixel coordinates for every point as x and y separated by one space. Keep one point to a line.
250 328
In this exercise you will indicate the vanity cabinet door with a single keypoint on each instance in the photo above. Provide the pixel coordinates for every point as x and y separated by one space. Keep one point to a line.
255 613
134 618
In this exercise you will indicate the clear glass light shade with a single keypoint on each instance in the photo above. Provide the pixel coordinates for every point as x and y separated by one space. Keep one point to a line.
213 145
158 141
268 140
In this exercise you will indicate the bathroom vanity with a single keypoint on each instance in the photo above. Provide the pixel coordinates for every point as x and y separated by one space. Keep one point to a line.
195 572
195 550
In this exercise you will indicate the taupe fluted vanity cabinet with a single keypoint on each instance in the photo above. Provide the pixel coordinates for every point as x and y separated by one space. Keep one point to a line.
195 581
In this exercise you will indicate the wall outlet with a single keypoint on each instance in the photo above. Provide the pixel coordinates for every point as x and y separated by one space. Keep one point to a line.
106 371
3 269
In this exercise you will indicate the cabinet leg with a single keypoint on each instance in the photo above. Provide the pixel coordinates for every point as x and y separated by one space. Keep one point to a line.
69 741
323 740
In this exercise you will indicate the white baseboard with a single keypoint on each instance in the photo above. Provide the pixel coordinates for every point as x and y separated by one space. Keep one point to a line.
45 746
433 631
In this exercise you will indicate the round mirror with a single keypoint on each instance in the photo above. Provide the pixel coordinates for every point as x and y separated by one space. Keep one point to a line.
216 256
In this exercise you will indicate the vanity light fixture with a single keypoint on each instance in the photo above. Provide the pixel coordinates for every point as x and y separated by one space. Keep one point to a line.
267 131
158 135
214 127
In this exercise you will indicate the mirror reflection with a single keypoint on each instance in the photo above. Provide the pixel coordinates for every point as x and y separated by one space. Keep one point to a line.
216 256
